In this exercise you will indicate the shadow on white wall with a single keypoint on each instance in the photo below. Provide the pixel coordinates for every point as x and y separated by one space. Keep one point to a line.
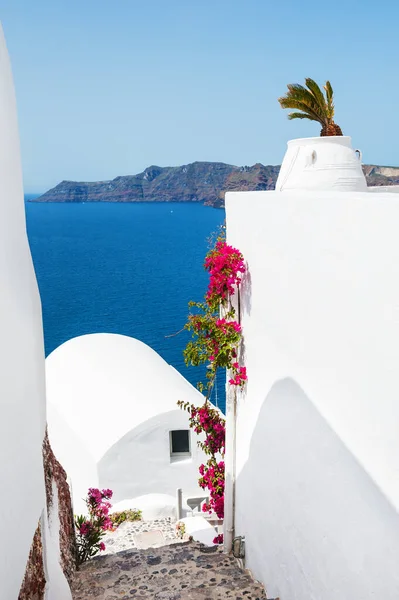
316 525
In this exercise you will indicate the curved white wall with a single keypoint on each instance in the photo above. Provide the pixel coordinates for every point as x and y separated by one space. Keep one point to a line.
116 398
317 428
22 396
140 462
22 381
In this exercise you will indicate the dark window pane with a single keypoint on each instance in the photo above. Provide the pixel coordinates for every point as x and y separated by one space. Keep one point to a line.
180 441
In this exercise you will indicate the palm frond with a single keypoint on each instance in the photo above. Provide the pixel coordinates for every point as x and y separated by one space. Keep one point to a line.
311 103
300 115
300 94
330 104
287 102
316 91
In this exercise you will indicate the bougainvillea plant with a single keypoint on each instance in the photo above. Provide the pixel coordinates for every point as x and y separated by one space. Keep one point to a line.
91 529
215 342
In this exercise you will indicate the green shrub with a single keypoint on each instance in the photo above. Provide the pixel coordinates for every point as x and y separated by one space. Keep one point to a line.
125 515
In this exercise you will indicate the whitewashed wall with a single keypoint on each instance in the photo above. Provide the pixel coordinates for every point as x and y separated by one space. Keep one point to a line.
317 491
22 396
139 463
22 379
116 398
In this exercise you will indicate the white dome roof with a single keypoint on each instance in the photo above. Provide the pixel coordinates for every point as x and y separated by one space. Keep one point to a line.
106 384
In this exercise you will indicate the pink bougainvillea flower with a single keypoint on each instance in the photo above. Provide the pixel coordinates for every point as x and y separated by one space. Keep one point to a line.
225 265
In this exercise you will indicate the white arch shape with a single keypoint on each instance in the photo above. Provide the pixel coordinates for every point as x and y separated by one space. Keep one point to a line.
116 398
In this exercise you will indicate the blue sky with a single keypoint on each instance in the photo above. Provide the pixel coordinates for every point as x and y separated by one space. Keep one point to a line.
106 88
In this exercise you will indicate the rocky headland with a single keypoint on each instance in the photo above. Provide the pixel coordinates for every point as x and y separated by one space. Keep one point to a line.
203 182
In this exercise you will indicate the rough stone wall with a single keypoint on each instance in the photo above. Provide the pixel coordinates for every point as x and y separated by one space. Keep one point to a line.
53 471
34 582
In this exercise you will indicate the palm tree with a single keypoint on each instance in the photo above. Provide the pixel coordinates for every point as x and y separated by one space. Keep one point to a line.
313 104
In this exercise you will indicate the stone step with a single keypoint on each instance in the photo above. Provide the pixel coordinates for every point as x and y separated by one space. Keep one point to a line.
187 571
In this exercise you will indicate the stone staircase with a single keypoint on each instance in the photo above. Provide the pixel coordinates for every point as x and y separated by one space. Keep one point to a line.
181 571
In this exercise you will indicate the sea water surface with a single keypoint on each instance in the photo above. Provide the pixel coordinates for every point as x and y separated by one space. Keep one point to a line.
122 268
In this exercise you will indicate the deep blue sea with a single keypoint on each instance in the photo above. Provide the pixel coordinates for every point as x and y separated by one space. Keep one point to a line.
122 268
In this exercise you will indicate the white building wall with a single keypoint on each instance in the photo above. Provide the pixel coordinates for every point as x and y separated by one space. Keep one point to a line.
317 491
22 397
22 378
112 402
140 463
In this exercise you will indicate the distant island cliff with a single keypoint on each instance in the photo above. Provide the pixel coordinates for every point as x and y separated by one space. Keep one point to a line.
204 182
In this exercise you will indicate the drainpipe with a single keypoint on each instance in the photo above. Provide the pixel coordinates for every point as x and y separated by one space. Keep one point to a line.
230 458
230 469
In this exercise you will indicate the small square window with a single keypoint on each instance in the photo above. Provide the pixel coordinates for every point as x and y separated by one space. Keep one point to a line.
180 443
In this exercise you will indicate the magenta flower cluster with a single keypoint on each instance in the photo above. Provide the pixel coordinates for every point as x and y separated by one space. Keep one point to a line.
98 507
213 478
208 420
239 375
218 539
226 325
91 529
225 265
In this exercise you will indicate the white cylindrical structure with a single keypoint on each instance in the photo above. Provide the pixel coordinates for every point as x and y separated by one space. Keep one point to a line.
322 163
179 504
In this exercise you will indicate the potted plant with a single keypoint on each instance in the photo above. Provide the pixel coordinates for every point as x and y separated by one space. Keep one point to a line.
327 162
312 104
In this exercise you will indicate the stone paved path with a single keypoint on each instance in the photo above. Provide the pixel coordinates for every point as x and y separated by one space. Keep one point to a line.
124 537
183 571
